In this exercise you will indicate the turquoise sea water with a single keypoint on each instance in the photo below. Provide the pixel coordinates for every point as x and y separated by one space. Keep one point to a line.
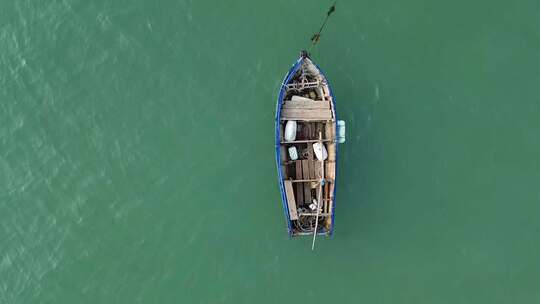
137 152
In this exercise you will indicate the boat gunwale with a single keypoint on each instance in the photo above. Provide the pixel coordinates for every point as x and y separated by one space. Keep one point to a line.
287 78
282 91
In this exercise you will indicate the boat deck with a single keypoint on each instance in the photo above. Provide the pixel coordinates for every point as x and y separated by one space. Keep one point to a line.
308 181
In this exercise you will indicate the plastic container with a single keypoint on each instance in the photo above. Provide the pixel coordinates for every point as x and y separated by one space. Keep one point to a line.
341 131
290 130
293 153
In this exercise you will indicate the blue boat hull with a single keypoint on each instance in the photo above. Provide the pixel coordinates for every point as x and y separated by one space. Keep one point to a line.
295 67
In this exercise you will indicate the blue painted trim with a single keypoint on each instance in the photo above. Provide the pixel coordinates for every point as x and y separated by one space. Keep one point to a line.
287 78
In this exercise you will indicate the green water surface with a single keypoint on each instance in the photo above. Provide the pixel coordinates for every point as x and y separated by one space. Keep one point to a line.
137 152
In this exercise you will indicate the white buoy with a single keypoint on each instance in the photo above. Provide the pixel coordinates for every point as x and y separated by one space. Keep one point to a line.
290 130
320 151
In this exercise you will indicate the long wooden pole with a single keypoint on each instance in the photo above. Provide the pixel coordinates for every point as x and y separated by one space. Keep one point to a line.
319 196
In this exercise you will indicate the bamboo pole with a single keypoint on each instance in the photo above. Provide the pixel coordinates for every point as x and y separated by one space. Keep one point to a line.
314 214
304 141
305 180
318 198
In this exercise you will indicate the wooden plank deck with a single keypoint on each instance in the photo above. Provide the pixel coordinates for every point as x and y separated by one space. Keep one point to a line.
307 186
300 176
303 104
311 165
290 200
317 169
299 187
306 114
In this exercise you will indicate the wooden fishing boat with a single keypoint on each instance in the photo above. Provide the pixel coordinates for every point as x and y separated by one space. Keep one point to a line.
307 135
